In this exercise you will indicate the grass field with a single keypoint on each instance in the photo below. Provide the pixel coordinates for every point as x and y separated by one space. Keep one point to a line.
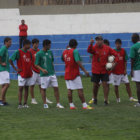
114 122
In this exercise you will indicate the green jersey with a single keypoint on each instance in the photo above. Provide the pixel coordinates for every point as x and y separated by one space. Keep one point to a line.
4 59
45 60
135 54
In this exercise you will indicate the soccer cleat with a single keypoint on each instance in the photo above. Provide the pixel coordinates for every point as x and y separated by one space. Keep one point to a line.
25 106
73 108
137 105
133 100
34 102
105 103
91 101
1 104
59 106
48 101
46 106
118 100
88 107
20 106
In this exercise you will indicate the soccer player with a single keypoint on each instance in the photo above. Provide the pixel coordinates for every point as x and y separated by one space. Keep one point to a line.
4 70
135 64
24 70
36 80
106 42
44 62
22 32
120 72
72 60
100 53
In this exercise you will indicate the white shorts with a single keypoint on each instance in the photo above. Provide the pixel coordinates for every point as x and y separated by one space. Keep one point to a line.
136 76
74 84
4 77
50 81
118 79
24 81
35 80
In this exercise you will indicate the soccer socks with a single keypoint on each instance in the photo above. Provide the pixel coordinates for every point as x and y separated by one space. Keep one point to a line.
85 104
72 105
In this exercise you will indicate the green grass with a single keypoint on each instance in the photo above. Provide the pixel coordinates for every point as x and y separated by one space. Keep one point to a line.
114 122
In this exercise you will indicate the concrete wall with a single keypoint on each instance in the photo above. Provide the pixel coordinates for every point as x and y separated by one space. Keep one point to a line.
8 3
79 9
69 24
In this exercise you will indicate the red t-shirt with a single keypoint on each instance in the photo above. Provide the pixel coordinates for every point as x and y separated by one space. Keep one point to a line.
25 64
71 67
23 30
100 57
120 67
33 53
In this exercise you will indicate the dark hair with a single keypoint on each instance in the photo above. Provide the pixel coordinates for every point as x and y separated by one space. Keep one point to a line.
26 42
35 41
135 38
118 41
46 42
106 42
7 39
98 38
73 43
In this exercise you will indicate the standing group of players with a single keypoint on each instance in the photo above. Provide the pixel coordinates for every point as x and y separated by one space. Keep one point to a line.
35 66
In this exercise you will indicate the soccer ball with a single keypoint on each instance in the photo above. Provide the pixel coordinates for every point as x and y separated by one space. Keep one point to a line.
109 66
111 59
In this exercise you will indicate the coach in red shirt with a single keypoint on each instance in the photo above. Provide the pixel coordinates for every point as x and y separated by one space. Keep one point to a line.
100 53
22 32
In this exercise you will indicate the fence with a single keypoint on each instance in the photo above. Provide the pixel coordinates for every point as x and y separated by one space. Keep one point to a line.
72 2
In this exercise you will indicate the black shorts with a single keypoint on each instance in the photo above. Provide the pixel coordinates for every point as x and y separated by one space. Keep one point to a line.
99 77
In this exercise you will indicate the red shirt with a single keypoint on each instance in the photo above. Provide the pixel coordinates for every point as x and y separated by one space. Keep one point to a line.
100 58
71 67
25 64
33 53
23 30
120 67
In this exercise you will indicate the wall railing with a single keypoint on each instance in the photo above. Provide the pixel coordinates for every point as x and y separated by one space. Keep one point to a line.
72 2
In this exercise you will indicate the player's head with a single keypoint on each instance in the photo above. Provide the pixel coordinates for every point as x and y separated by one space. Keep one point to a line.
106 42
7 41
26 44
47 44
22 21
118 43
99 40
73 43
35 43
135 38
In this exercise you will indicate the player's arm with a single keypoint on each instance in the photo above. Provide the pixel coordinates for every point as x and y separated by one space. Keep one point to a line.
2 52
14 57
126 58
132 56
78 61
113 52
37 64
90 47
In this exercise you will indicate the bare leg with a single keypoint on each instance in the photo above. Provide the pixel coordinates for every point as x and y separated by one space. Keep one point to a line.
106 90
43 93
3 92
95 90
138 90
32 92
20 95
116 89
56 93
26 94
81 95
70 95
128 89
